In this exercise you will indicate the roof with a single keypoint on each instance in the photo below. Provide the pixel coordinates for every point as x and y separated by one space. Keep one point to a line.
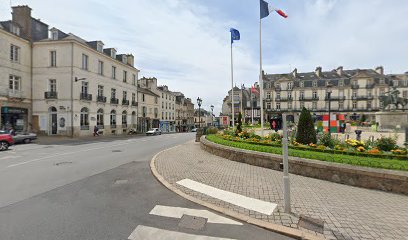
147 91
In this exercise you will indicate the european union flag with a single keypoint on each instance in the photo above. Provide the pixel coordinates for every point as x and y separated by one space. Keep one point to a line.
234 35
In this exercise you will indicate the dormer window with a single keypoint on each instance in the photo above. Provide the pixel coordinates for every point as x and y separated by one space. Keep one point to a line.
54 35
124 59
314 83
99 47
15 29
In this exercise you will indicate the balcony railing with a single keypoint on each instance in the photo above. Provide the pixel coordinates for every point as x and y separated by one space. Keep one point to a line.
335 98
50 95
362 97
125 102
369 86
283 99
134 103
114 101
354 86
10 93
85 96
101 99
309 98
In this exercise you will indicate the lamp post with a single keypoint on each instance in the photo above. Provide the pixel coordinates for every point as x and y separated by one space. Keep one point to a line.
72 103
329 92
199 101
212 115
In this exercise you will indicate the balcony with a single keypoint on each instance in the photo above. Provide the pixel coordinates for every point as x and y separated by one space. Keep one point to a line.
354 86
335 98
85 96
101 99
362 98
10 93
114 101
309 98
370 86
134 104
125 102
284 99
50 95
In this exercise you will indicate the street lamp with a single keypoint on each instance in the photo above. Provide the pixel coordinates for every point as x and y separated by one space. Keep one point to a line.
76 79
212 115
329 92
199 101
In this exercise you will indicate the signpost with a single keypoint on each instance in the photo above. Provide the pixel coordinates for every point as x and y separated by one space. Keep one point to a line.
286 183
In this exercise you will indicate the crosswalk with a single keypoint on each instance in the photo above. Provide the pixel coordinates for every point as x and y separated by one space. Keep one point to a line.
142 232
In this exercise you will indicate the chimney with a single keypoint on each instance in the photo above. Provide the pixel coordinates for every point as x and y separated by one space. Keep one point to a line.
130 60
294 72
339 71
379 70
22 16
318 71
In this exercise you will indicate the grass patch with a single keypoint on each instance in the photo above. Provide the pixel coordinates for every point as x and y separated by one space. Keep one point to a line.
393 164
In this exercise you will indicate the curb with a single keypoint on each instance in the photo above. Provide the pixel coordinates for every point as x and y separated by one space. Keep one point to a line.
291 232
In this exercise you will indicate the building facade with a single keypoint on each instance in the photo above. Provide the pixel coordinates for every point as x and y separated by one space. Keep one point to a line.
61 84
168 109
184 111
148 117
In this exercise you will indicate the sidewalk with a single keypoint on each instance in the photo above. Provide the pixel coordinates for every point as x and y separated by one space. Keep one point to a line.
348 212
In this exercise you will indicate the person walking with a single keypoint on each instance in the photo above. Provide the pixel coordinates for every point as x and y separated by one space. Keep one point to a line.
96 130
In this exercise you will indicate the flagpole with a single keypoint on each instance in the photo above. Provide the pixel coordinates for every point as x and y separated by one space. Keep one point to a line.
260 76
252 107
232 91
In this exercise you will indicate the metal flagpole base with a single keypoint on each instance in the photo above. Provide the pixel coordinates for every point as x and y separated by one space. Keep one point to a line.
286 193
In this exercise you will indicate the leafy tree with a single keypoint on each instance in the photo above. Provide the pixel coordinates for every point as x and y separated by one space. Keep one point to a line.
306 132
239 127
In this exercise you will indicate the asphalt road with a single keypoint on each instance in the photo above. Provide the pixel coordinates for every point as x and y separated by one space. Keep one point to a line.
95 190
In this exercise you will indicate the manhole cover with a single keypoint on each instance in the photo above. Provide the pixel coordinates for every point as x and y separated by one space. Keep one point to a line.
192 222
313 224
116 150
62 163
122 181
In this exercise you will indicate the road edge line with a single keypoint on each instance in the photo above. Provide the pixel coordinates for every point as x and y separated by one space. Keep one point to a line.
291 232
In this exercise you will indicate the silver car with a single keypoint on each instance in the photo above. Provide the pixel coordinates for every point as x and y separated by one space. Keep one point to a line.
21 137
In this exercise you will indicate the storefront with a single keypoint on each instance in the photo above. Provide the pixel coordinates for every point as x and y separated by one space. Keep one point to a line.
12 117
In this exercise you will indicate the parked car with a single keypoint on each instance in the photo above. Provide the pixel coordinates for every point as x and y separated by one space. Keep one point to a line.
5 141
21 137
154 131
194 130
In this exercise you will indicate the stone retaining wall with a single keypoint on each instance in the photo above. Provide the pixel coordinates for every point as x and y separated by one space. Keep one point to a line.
380 179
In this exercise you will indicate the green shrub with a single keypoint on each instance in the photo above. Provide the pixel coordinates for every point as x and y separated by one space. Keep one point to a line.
274 136
212 130
306 132
386 144
328 141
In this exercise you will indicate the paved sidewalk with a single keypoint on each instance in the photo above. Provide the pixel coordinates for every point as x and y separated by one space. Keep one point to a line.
348 212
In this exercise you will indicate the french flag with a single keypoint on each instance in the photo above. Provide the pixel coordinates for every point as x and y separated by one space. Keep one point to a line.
266 9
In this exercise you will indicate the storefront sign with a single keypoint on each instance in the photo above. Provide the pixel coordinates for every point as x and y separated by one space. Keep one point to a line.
12 110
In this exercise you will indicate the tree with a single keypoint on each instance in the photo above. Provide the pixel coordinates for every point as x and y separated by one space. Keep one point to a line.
306 132
239 127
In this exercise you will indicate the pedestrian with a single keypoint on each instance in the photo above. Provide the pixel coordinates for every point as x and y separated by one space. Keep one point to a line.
12 132
96 130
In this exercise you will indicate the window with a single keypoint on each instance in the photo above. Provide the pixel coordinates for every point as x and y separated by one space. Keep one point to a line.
405 94
133 97
156 100
143 97
144 111
289 95
124 95
14 53
369 93
113 93
382 91
302 84
84 120
100 67
302 95
15 29
341 93
290 86
124 59
156 112
278 96
166 96
354 94
99 118
85 59
302 105
166 115
369 104
162 115
53 58
268 95
113 72
354 105
52 85
134 79
163 105
278 106
54 35
14 83
166 105
341 82
268 105
341 105
124 119
382 81
124 76
162 95
395 83
381 104
99 47
314 105
84 88
100 91
314 94
113 119
314 84
289 105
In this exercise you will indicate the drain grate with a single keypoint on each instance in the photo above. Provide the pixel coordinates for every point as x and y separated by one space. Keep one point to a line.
313 224
62 163
192 222
116 150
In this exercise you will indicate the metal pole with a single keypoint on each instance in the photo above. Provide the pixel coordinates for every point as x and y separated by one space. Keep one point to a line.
329 96
252 107
260 76
72 90
286 183
232 91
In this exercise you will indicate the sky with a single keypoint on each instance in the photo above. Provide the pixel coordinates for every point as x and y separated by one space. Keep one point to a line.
185 44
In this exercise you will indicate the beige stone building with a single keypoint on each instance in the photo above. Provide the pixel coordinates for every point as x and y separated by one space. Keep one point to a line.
168 109
148 116
400 81
73 84
184 111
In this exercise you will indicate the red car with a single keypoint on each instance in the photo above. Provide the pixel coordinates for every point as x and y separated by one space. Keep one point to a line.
5 141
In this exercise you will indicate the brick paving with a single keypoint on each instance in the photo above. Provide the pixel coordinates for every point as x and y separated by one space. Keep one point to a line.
348 212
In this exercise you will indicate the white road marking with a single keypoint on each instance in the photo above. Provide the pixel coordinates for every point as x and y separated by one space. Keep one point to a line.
9 157
236 199
178 212
63 154
150 233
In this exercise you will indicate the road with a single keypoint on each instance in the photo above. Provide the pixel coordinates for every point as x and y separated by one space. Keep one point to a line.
102 190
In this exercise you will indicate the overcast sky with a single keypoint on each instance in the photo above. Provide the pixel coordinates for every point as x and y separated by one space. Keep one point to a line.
185 43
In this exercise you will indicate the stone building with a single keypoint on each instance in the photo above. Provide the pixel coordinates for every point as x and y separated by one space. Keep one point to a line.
204 119
168 109
148 116
61 84
184 113
400 81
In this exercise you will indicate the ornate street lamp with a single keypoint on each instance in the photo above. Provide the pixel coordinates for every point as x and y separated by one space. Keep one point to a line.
199 101
212 115
329 92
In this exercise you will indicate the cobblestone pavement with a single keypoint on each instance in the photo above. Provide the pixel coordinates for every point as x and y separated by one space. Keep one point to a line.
348 212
